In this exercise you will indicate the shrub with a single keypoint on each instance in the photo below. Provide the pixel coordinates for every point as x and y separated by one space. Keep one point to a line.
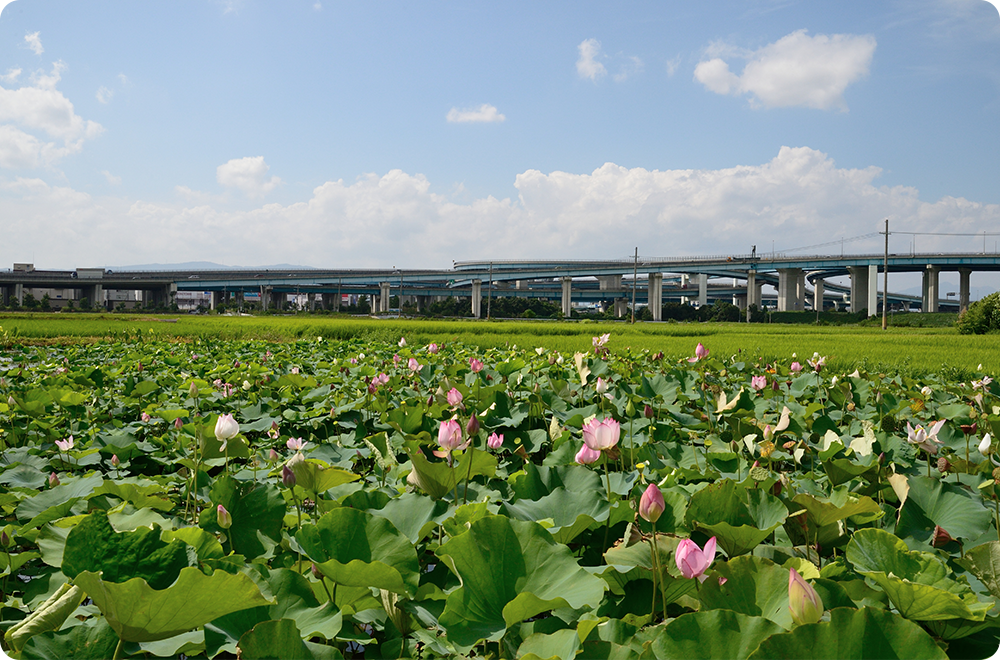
981 317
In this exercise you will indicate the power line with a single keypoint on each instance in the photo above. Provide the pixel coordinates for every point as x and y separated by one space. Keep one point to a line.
932 233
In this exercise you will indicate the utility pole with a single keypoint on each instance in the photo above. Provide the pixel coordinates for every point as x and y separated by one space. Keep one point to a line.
635 269
489 293
885 278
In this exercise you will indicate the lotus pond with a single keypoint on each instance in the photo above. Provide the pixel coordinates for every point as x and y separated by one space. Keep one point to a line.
349 499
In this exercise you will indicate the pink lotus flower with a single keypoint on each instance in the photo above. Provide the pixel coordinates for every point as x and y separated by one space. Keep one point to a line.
817 362
700 353
65 445
433 349
600 435
145 417
454 398
226 429
599 342
296 444
692 560
450 435
601 386
804 603
651 503
758 382
925 438
495 441
413 365
396 360
586 455
475 365
795 367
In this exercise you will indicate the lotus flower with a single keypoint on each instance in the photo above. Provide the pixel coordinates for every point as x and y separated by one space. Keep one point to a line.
803 602
396 359
599 342
982 384
296 444
926 391
413 365
145 417
586 455
495 441
817 362
984 446
475 365
795 367
433 349
65 445
402 342
700 353
925 438
223 517
692 560
226 429
601 386
450 435
651 503
601 435
454 398
758 382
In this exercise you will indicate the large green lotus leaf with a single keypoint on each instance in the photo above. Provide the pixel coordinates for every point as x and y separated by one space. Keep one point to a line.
842 470
931 502
740 518
736 541
139 613
840 506
281 640
93 545
865 634
540 646
719 502
711 635
253 506
437 479
49 616
984 562
24 476
570 513
318 477
146 495
94 641
60 496
510 571
413 514
537 481
753 586
917 583
358 549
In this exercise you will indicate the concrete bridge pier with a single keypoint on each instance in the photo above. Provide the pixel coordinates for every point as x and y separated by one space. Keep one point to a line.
859 288
873 290
703 290
654 295
215 297
477 298
740 300
19 293
383 296
931 289
791 291
567 293
963 288
621 307
239 300
818 295
753 289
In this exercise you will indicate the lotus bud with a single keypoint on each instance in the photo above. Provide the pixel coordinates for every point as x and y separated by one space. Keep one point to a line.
495 441
53 480
940 538
273 455
601 386
454 398
803 602
433 349
178 424
475 365
314 568
287 476
114 460
402 342
472 427
586 455
5 540
881 458
11 402
651 503
222 516
648 412
984 446
193 390
692 561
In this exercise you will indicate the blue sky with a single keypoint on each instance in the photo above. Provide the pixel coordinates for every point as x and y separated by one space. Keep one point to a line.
337 134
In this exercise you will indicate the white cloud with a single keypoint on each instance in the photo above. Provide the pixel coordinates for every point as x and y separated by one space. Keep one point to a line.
796 70
38 125
112 179
632 66
482 114
104 95
11 75
587 65
794 198
247 174
34 43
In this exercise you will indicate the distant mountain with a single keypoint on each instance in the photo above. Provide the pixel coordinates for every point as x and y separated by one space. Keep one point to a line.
208 265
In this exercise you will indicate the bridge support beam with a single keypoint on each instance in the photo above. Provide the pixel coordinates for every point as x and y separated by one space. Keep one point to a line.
654 295
873 290
963 288
859 288
818 295
621 307
383 296
477 298
609 282
19 294
567 294
702 289
931 289
791 291
215 297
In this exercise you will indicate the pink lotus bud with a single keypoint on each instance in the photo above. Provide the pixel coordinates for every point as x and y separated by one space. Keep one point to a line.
586 455
603 434
178 424
316 572
940 538
454 398
472 426
222 516
648 412
495 441
193 390
396 359
475 365
145 417
692 560
139 367
795 367
287 476
433 349
402 342
601 386
803 602
114 460
273 455
700 353
651 503
5 540
450 435
53 480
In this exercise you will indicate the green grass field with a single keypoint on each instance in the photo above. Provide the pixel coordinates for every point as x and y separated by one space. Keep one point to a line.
906 350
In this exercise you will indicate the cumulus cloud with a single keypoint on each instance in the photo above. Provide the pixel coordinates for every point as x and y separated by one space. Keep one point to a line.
483 114
587 65
247 174
11 76
796 70
38 125
104 95
34 43
794 198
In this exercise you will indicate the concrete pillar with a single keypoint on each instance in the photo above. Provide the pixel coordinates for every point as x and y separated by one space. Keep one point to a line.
521 285
621 307
800 291
384 295
740 300
702 289
311 301
963 288
477 298
567 292
818 295
859 288
788 289
239 299
19 293
655 295
214 298
931 289
753 293
873 290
